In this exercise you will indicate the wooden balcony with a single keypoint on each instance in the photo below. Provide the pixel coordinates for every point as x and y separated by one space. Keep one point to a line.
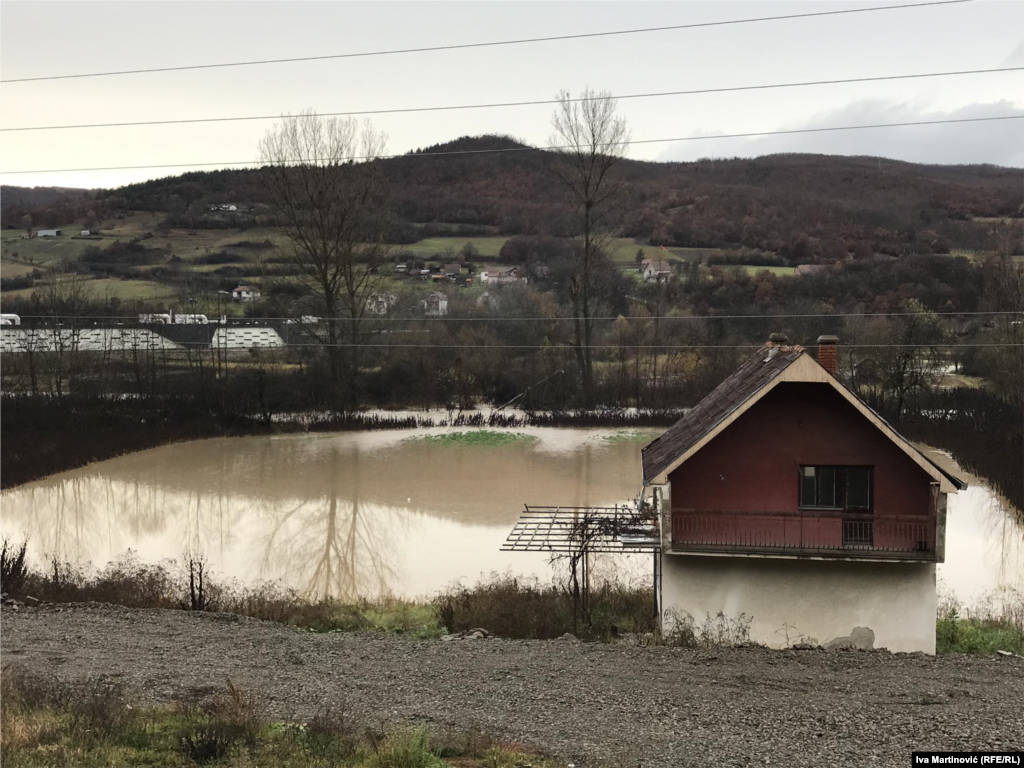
804 534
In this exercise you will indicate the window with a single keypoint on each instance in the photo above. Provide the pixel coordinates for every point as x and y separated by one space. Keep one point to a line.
827 487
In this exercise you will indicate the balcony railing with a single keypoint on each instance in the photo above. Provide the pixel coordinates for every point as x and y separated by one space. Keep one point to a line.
824 534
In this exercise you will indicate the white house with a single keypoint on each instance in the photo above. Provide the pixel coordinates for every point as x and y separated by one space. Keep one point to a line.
435 305
49 233
656 271
245 293
229 207
84 233
504 276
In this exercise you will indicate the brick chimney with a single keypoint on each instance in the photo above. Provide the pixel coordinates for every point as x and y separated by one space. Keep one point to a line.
828 357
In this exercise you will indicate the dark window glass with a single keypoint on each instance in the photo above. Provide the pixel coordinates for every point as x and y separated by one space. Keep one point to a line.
826 486
835 487
858 488
808 488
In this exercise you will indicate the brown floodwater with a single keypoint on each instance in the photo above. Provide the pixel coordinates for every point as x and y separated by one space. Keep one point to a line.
390 512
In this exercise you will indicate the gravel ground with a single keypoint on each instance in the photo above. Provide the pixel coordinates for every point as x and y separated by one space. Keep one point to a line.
592 704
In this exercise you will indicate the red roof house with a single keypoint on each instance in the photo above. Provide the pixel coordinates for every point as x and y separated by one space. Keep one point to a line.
785 498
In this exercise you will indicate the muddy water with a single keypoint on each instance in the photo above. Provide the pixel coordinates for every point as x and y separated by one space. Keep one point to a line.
364 514
355 514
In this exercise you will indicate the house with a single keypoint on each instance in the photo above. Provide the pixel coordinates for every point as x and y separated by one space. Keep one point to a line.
245 293
504 276
656 271
401 268
49 233
452 271
435 304
84 233
381 303
228 207
782 496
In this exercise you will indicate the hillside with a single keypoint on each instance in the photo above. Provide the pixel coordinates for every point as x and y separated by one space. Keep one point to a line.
805 208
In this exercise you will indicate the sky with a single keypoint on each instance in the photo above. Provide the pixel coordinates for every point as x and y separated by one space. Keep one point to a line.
55 38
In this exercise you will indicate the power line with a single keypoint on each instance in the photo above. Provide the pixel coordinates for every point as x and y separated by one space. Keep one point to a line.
449 153
461 46
540 102
561 346
820 315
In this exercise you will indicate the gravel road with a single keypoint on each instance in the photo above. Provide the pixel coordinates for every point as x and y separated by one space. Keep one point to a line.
592 704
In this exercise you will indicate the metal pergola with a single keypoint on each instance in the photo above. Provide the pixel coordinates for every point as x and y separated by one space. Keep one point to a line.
578 532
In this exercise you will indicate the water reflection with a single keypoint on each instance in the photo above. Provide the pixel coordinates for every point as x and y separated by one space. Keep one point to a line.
343 515
364 514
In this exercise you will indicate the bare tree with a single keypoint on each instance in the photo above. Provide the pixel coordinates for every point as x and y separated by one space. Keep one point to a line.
590 140
326 188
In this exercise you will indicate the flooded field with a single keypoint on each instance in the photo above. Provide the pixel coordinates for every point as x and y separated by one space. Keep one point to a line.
403 512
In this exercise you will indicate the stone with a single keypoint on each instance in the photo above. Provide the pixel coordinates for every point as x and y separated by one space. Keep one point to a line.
804 647
568 636
861 638
32 601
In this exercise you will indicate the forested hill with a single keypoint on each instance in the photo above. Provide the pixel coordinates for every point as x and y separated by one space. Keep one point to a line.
802 207
35 198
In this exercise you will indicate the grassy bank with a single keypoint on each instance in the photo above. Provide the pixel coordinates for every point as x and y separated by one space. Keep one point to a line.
995 624
505 606
46 723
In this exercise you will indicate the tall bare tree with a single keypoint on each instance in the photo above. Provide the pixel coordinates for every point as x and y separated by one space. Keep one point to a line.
591 139
326 187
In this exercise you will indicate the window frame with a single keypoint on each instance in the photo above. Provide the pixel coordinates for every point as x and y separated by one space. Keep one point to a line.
841 488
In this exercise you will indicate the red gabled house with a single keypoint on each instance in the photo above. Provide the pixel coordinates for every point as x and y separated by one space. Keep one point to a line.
785 498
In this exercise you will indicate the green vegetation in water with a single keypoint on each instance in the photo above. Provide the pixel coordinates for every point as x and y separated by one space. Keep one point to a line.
631 436
479 438
46 723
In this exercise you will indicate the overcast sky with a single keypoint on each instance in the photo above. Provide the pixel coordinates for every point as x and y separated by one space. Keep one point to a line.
44 38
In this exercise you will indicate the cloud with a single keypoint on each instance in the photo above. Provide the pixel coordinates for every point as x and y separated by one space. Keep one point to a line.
999 142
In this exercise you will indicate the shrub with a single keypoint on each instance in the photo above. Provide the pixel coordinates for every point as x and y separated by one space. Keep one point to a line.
13 570
518 608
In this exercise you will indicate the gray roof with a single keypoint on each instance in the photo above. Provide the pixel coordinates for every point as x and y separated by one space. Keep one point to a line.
755 372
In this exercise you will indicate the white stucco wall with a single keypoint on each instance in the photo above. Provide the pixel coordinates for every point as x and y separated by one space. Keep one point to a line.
820 599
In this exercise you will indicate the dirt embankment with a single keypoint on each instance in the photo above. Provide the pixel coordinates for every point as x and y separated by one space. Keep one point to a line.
592 704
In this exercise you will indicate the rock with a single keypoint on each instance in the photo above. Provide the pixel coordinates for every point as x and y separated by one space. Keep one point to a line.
32 601
804 647
569 636
473 634
1010 654
862 638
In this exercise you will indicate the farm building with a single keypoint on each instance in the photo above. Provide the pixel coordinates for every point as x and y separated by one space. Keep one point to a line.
783 497
49 233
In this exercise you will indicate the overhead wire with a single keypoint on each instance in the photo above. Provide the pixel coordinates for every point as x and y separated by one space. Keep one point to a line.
224 164
486 44
509 104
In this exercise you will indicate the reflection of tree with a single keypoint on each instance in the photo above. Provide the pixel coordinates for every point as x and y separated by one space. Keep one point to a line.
1004 535
336 546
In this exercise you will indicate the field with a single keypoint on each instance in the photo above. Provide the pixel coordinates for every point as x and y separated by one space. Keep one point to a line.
126 290
487 247
777 271
22 256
